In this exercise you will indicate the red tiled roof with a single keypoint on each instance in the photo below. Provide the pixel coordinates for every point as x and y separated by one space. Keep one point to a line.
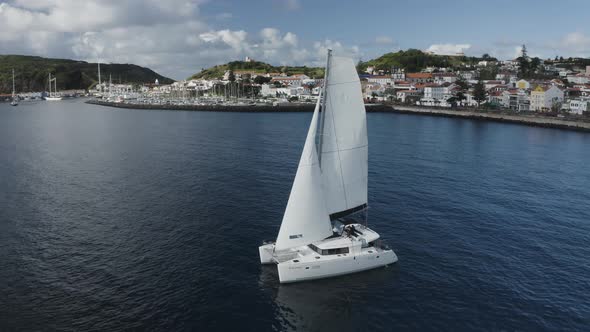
418 75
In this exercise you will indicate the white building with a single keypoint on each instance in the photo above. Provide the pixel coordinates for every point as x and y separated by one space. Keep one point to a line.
381 79
435 92
436 96
578 79
399 74
515 99
578 106
544 97
444 78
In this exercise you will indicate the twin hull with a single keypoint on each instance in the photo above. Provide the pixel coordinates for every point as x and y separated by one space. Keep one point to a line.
290 271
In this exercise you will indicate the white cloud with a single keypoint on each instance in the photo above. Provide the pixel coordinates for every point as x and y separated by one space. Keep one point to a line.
170 37
448 49
574 44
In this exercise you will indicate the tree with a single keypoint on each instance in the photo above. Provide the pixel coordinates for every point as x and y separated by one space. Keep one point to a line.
523 62
232 76
485 56
523 51
359 66
453 101
556 105
479 92
462 84
261 79
534 65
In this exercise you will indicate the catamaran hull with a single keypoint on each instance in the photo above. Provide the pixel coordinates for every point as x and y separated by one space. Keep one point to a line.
289 273
326 266
265 252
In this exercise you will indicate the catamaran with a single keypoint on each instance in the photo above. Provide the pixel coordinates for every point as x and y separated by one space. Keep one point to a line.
320 234
55 96
14 101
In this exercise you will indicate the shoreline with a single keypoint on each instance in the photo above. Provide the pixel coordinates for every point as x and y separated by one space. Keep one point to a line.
283 108
536 121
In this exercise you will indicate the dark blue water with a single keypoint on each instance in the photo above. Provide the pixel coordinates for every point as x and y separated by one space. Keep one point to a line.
151 220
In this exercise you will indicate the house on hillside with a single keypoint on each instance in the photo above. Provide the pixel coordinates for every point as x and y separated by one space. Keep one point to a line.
516 99
522 84
381 79
419 77
578 106
543 97
578 78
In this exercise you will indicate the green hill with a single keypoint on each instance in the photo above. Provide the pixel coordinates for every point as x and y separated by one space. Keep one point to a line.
413 60
259 67
32 73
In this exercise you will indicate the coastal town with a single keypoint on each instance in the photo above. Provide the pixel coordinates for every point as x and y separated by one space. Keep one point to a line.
561 88
551 87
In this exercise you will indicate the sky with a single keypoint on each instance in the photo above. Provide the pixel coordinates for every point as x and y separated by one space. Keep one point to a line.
178 38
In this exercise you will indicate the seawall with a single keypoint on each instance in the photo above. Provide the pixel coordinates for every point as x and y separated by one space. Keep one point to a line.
530 120
290 107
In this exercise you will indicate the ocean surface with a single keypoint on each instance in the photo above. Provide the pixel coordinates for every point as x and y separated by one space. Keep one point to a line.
114 219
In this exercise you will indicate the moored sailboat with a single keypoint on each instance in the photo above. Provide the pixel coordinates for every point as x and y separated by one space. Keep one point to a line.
54 96
320 235
14 101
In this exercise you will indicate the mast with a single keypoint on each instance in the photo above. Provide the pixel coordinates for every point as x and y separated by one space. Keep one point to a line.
99 81
49 84
322 97
344 143
13 87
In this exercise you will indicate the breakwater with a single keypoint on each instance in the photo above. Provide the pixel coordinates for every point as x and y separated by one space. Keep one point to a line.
530 120
287 107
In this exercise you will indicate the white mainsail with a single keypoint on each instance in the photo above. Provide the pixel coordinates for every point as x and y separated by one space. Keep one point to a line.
344 143
331 179
306 219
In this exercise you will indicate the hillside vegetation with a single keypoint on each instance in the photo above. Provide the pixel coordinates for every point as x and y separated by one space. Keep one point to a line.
414 60
411 60
258 67
32 73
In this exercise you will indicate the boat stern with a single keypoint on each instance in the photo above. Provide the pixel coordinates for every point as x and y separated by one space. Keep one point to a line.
266 253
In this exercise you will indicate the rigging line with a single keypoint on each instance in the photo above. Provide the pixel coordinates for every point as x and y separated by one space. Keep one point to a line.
338 83
354 148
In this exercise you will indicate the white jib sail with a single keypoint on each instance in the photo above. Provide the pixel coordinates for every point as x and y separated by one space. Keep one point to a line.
306 219
344 151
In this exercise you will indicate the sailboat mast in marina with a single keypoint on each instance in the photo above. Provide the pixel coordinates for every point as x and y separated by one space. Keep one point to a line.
54 96
320 235
14 101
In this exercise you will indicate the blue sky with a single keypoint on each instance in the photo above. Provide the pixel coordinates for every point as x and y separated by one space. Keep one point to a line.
179 37
489 26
